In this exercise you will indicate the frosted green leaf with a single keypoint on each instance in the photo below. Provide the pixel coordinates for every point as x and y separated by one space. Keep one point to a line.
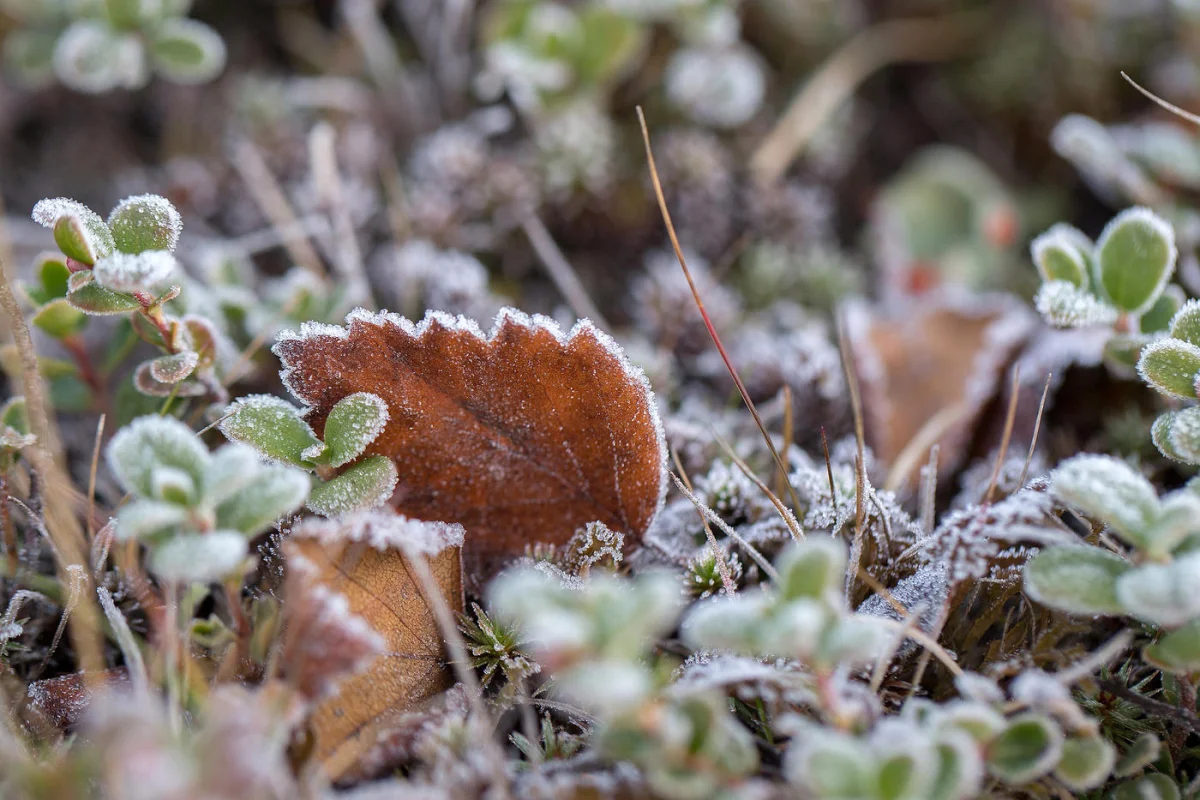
93 58
1159 316
980 722
1086 762
186 51
274 491
906 775
1143 752
1135 257
1110 490
353 423
726 623
149 443
1162 594
59 319
173 486
198 557
271 426
1185 324
78 231
92 298
1071 235
1027 749
52 275
367 484
1170 366
1160 434
1184 434
174 368
1154 786
832 766
1065 305
147 384
127 272
230 468
14 424
1057 259
1178 518
147 517
812 568
960 769
145 222
1078 580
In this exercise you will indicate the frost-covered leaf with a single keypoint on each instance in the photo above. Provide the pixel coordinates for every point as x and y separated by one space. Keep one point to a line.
174 368
1086 762
92 57
14 425
353 423
1065 305
173 486
524 436
187 51
1027 749
92 298
1162 594
146 517
272 426
1160 434
1109 490
52 275
128 272
832 766
198 557
274 491
1078 580
78 231
382 590
812 568
1141 753
59 319
1179 650
1159 316
1171 366
1135 257
145 382
145 222
1154 786
367 484
149 443
1185 324
1058 259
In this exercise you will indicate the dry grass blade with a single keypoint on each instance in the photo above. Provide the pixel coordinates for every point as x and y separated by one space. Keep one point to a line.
926 439
788 517
1037 427
712 332
561 271
1174 109
718 556
1006 438
91 510
750 549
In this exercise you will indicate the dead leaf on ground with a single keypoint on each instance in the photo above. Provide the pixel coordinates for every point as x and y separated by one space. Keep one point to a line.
946 352
363 559
62 701
523 436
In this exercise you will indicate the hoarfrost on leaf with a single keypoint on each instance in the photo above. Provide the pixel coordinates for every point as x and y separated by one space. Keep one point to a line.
199 557
1065 305
126 272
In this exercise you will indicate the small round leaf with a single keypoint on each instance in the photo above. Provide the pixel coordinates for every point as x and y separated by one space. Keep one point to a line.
1078 580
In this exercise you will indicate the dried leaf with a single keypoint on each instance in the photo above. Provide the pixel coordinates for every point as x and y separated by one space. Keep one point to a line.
944 352
522 436
362 559
62 701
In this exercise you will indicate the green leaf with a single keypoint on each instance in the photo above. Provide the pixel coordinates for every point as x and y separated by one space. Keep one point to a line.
959 770
174 368
812 568
1178 651
198 557
1110 490
1135 257
1170 366
1122 351
1057 259
149 443
1148 787
29 55
1165 308
353 423
79 231
1027 749
59 319
52 273
271 426
145 222
1086 762
1185 324
129 272
13 414
1160 434
833 766
186 51
1065 305
1078 580
1142 753
92 57
271 493
367 484
148 517
92 298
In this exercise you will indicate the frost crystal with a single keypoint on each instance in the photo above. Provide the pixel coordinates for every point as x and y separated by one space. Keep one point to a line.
383 531
1067 306
49 211
128 272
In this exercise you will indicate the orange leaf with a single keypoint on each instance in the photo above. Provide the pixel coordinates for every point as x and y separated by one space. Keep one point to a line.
522 436
363 559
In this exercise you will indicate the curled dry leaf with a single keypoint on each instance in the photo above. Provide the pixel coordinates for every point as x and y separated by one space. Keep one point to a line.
362 558
946 354
523 436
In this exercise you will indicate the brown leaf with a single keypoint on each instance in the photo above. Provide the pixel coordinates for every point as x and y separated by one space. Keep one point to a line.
362 558
928 356
62 701
522 436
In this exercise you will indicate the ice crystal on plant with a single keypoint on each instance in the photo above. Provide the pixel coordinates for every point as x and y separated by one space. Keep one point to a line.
1067 306
384 530
128 272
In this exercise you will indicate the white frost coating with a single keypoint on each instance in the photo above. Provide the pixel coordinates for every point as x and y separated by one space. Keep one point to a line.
150 442
1183 351
1057 239
127 272
1108 488
384 530
161 212
49 211
1160 226
506 316
199 557
1065 305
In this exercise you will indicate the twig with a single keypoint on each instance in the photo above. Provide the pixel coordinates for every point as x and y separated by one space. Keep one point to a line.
327 178
561 271
750 549
789 518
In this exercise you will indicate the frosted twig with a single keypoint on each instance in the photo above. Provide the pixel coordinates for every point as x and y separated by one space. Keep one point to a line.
125 640
788 517
718 556
750 549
